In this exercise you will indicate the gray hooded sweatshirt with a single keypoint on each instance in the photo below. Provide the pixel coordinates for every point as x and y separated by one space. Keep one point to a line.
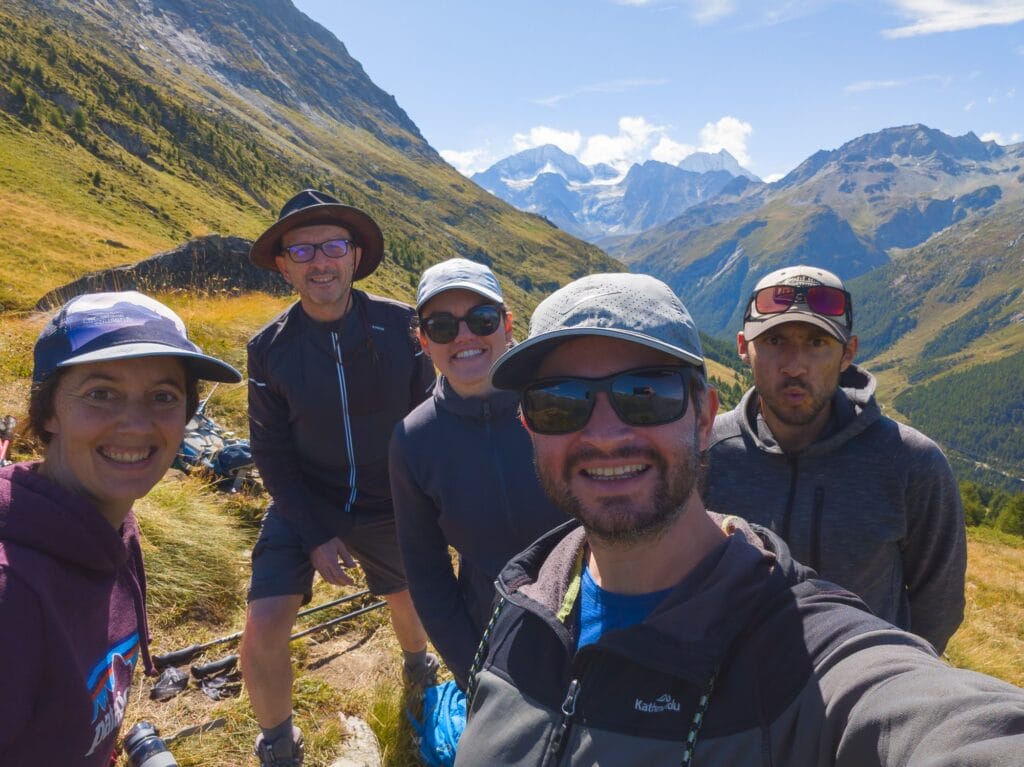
871 505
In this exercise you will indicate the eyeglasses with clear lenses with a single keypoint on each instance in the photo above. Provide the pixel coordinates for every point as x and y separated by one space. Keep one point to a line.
443 327
304 252
642 397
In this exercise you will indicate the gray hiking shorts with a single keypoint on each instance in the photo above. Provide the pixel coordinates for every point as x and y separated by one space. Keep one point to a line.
280 565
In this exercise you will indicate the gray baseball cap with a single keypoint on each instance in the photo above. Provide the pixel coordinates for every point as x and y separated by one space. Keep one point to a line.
631 307
839 326
458 274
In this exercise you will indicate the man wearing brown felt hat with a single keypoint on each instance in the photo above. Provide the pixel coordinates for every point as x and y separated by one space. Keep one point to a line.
328 380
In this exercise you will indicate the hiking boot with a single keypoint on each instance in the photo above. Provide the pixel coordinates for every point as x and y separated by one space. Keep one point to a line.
283 752
423 675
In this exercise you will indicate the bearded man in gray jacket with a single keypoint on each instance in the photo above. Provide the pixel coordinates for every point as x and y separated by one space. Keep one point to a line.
869 503
651 631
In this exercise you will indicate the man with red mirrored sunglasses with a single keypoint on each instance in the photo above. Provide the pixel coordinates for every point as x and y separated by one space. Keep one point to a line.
652 631
868 502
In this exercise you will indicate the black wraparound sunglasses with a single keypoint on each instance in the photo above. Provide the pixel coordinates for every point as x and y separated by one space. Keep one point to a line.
443 327
642 397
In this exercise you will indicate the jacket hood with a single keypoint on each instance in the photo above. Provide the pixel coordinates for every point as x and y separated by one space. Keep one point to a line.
853 410
494 405
738 584
38 514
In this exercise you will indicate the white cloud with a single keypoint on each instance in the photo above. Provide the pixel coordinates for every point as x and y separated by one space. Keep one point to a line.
862 86
631 144
469 162
729 133
933 16
710 11
667 150
790 10
999 139
968 106
635 3
636 141
771 178
873 85
610 86
567 141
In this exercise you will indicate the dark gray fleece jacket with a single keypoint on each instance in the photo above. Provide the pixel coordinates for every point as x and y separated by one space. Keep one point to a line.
806 677
871 505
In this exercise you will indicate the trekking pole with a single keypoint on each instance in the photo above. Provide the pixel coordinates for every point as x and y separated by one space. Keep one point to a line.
228 661
184 655
202 405
7 424
196 729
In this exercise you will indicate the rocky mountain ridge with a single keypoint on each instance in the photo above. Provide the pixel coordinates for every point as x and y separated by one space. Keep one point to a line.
593 202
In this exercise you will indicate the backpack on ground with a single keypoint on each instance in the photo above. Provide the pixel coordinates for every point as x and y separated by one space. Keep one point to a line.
437 732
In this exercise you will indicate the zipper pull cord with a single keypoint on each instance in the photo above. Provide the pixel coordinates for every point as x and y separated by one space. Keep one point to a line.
481 653
698 720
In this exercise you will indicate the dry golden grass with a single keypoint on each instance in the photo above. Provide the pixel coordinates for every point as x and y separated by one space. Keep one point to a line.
991 639
197 544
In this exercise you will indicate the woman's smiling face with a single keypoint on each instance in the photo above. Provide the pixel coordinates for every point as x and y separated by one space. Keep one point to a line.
465 361
116 427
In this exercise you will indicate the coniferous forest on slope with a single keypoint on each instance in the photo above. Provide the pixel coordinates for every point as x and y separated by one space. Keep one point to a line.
960 409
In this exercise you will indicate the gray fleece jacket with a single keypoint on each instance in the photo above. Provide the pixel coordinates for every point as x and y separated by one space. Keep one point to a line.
805 676
871 505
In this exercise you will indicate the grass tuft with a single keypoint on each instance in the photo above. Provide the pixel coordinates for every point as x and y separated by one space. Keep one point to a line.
196 556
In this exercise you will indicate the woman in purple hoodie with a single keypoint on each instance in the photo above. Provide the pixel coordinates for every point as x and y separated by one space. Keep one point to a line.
114 382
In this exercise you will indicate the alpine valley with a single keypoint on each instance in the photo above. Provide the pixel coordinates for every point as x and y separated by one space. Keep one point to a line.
130 128
926 229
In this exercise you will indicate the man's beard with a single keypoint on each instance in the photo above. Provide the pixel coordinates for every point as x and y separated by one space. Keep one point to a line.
789 417
622 519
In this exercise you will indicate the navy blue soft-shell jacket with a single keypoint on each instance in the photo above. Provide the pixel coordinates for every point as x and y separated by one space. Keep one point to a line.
462 475
324 398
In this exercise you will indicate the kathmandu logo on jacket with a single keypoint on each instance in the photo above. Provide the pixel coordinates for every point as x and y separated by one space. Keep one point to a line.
663 703
108 684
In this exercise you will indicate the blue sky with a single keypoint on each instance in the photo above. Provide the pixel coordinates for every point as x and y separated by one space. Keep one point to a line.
623 81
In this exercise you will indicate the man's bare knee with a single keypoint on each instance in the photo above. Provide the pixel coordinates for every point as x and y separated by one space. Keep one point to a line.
269 621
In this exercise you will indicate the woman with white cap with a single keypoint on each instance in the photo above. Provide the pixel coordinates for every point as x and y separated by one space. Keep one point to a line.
461 464
114 382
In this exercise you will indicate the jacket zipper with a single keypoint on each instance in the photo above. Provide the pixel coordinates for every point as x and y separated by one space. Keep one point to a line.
506 511
349 447
788 514
560 737
819 503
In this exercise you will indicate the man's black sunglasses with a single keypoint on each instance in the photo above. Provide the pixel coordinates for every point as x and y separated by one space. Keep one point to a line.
443 327
642 397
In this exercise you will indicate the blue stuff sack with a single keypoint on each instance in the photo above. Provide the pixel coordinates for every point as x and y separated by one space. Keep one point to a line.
444 718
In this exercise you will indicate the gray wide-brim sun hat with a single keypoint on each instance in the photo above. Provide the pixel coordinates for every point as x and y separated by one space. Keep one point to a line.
629 307
797 276
458 274
313 208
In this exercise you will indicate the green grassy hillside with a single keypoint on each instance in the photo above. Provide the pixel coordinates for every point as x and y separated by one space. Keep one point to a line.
109 153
